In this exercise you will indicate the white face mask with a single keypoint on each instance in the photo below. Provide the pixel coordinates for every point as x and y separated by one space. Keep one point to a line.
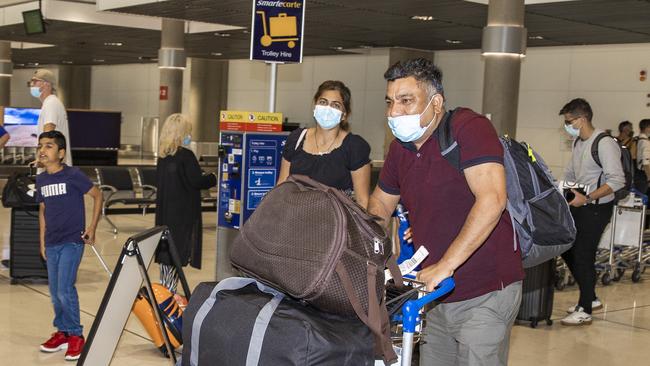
407 127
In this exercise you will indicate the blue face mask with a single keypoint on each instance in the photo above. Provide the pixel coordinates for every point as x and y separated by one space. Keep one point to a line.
326 116
575 132
35 91
407 127
187 140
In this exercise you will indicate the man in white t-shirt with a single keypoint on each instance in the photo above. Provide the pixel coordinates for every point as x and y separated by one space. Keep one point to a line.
53 116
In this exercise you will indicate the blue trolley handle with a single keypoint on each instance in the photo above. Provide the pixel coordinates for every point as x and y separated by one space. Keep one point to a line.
411 312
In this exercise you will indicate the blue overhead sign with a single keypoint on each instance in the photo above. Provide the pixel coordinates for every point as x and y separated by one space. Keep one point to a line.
277 29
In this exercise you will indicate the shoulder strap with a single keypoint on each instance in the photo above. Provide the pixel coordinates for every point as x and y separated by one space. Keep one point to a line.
234 283
448 146
594 148
302 136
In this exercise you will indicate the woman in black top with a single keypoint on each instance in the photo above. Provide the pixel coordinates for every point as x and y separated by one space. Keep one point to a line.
178 199
328 152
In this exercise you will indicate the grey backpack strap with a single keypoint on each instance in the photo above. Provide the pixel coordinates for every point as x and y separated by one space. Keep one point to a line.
259 330
232 283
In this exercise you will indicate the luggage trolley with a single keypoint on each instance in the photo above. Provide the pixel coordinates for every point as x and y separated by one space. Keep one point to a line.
626 250
283 29
407 322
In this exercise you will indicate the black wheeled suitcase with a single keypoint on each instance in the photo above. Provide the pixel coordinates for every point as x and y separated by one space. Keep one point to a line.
244 322
24 243
537 294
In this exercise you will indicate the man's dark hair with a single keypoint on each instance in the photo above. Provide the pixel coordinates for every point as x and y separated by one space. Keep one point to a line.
422 70
622 125
578 108
644 123
57 136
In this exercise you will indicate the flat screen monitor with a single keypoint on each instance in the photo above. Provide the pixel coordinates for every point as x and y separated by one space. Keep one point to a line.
22 126
33 20
94 129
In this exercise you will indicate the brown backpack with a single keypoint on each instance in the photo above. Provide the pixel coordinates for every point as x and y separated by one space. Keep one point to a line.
316 244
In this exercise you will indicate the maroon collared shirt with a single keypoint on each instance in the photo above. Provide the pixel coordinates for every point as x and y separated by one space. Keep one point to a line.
439 200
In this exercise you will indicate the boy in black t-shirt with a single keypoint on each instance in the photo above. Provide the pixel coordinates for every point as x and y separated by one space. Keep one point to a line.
60 191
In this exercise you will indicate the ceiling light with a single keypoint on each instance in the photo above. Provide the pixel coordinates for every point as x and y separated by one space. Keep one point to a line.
98 60
422 17
365 46
114 44
216 54
246 31
453 41
536 37
219 34
67 62
338 48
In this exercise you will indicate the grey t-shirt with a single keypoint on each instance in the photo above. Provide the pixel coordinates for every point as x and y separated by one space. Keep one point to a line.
583 169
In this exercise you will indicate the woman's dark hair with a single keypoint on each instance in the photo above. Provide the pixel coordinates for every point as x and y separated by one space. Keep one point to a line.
345 95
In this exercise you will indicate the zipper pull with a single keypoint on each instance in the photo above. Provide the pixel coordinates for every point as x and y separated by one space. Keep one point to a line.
379 246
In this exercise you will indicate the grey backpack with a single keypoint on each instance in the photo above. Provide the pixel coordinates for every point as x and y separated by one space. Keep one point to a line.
539 212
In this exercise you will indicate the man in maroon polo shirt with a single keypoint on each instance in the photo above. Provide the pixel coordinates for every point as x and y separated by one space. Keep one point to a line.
459 216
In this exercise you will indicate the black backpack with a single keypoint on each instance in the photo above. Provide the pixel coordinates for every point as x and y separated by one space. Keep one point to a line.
540 215
626 162
20 191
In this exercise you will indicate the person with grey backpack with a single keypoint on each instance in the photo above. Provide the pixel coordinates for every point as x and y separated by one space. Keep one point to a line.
596 162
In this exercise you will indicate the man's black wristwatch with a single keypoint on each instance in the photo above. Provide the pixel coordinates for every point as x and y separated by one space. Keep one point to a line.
589 199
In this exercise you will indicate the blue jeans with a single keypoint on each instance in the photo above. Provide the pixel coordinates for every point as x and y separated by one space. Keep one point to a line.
62 264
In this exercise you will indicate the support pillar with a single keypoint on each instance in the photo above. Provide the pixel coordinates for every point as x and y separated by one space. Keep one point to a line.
74 86
6 71
171 62
208 96
504 44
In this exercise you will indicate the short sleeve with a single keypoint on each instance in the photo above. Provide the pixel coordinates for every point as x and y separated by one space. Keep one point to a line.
2 131
290 150
389 175
81 181
49 114
37 193
358 152
478 141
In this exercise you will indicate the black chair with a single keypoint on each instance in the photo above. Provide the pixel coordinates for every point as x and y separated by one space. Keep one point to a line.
148 182
117 186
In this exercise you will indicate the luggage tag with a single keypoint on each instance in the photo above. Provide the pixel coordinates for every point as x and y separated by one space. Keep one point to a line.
408 266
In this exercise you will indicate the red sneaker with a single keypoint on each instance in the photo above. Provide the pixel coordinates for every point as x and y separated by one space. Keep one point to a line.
57 342
75 346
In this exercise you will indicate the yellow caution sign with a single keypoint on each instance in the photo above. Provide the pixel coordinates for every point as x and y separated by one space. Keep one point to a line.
250 121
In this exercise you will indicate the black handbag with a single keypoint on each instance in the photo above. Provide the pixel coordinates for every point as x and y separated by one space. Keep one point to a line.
20 191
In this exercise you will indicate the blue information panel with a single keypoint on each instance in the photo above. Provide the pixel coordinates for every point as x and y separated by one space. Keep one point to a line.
277 30
230 180
263 152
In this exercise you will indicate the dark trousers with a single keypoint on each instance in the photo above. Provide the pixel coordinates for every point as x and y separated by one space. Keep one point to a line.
590 223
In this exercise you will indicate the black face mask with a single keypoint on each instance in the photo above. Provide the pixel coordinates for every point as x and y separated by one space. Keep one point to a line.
630 134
